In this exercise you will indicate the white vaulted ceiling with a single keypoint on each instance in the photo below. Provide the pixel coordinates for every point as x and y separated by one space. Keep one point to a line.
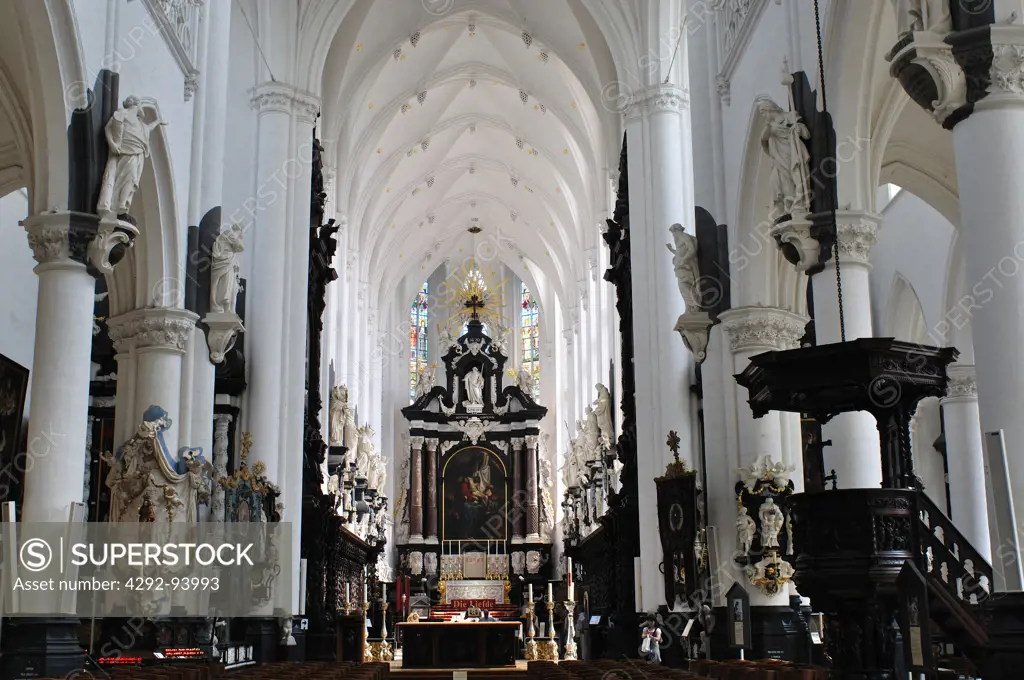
489 113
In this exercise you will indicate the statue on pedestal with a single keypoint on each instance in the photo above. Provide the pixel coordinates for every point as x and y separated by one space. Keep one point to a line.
339 404
746 529
364 452
474 381
772 520
524 381
591 435
684 261
224 268
783 142
128 147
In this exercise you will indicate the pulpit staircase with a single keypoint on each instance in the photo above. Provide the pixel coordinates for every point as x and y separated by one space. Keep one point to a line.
959 584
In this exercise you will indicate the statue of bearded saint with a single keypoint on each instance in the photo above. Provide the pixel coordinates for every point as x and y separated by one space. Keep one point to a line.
224 268
603 409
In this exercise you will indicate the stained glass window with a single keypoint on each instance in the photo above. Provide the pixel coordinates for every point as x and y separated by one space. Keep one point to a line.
530 329
418 325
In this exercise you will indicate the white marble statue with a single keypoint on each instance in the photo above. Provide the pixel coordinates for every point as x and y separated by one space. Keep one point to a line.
364 451
591 435
547 507
224 268
782 141
524 381
603 410
127 148
684 261
339 404
425 380
746 529
445 337
922 15
570 471
772 520
474 382
382 472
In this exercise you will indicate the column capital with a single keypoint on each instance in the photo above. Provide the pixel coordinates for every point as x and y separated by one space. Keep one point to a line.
280 98
952 75
64 237
518 442
858 235
431 445
762 328
416 442
663 98
962 385
531 441
160 328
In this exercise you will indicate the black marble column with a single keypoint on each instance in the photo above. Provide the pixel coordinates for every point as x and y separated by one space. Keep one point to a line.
431 518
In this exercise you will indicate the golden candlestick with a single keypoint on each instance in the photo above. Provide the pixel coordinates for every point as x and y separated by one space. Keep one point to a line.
367 652
531 644
547 650
386 653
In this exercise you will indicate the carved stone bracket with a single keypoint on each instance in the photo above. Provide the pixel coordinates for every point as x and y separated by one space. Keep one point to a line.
60 236
224 329
693 328
858 235
798 242
113 238
924 64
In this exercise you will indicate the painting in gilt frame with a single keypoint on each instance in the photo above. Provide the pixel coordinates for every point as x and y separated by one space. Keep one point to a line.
474 495
13 389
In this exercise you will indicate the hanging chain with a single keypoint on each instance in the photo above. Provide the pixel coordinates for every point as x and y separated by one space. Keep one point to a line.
832 207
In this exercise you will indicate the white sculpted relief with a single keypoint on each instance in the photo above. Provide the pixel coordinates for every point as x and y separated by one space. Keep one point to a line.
684 261
128 147
922 15
782 141
224 268
771 523
474 381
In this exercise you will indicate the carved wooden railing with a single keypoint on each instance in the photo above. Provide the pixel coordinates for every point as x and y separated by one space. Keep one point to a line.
950 558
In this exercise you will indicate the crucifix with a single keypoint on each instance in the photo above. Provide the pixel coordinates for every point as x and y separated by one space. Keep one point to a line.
474 303
673 443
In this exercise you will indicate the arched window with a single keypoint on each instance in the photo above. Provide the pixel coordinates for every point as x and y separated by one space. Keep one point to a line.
418 324
530 330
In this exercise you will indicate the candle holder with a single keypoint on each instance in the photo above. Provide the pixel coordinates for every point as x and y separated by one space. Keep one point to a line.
531 644
547 650
386 653
570 632
367 651
348 607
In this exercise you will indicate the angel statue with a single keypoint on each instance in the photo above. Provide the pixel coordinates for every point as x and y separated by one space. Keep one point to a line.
922 15
128 147
524 381
783 142
684 260
603 410
425 380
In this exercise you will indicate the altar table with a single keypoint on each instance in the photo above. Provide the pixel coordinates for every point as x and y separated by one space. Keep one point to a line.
483 644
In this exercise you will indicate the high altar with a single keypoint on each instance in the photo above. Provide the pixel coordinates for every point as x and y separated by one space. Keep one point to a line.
477 513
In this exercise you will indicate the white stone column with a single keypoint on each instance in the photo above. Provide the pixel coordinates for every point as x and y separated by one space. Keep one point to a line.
854 453
212 98
964 454
752 331
153 342
660 194
57 426
989 147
